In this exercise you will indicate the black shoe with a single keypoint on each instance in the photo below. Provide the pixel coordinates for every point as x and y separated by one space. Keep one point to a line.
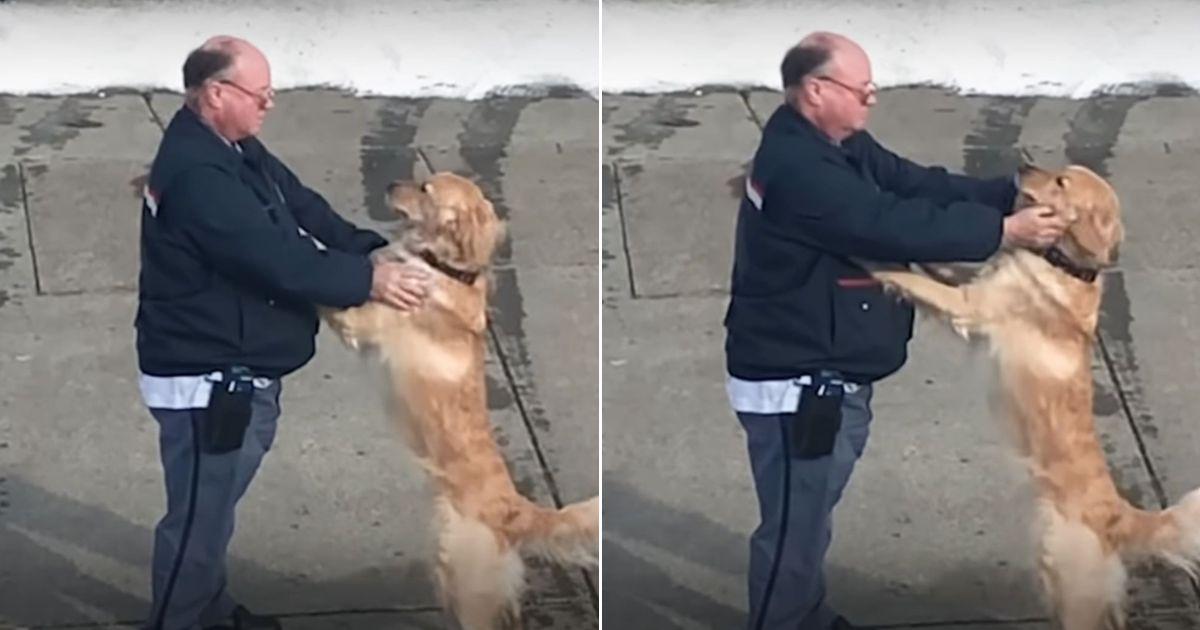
243 619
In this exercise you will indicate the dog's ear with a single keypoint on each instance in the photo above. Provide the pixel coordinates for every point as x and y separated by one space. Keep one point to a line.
1068 198
448 218
1030 178
1097 232
480 232
499 232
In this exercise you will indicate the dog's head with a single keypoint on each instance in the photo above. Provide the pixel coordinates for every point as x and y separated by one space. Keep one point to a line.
1086 201
448 215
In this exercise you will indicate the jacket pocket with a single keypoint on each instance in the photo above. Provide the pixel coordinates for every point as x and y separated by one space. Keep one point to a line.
869 325
276 328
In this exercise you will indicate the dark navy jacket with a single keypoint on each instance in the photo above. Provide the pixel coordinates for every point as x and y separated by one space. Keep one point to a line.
798 304
227 275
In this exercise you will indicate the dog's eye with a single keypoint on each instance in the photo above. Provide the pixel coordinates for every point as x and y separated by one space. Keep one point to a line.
426 188
1061 181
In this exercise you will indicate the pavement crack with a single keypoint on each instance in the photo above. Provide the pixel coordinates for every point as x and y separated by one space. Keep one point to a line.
745 94
698 293
616 170
425 159
37 278
1155 482
117 289
505 364
1159 492
538 452
153 114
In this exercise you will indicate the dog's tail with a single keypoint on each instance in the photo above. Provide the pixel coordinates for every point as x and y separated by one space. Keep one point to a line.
1172 534
569 535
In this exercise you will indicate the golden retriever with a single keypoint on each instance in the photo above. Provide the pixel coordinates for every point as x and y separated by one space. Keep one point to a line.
1039 313
434 357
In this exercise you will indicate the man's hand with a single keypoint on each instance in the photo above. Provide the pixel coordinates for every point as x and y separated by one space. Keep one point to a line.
1035 227
400 285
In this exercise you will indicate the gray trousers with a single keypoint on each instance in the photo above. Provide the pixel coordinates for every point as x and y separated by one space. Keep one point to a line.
796 499
188 573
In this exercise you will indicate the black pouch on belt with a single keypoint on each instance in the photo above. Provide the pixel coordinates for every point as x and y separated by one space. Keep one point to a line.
228 412
818 418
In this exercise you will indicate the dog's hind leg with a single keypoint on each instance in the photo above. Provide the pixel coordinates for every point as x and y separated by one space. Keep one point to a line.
479 581
1084 585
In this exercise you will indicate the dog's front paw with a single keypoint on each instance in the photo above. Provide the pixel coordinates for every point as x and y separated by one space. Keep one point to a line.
961 327
340 321
891 281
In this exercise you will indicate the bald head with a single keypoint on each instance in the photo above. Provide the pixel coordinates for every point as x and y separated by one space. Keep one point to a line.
219 58
831 41
240 50
827 79
821 52
228 43
227 81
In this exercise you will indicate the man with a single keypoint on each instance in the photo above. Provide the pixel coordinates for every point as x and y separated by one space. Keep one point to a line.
808 331
235 254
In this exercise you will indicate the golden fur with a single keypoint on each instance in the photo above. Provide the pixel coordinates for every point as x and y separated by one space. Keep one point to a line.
1040 323
435 359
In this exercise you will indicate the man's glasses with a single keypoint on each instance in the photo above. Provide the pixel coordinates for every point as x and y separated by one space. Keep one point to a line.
864 94
261 99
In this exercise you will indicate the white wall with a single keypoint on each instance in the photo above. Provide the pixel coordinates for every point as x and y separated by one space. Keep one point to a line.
1060 47
462 48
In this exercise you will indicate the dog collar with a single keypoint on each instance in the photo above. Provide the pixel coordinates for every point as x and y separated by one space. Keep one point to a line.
465 277
1056 257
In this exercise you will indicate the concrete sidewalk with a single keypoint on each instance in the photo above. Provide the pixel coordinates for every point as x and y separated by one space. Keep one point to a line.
334 532
934 529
